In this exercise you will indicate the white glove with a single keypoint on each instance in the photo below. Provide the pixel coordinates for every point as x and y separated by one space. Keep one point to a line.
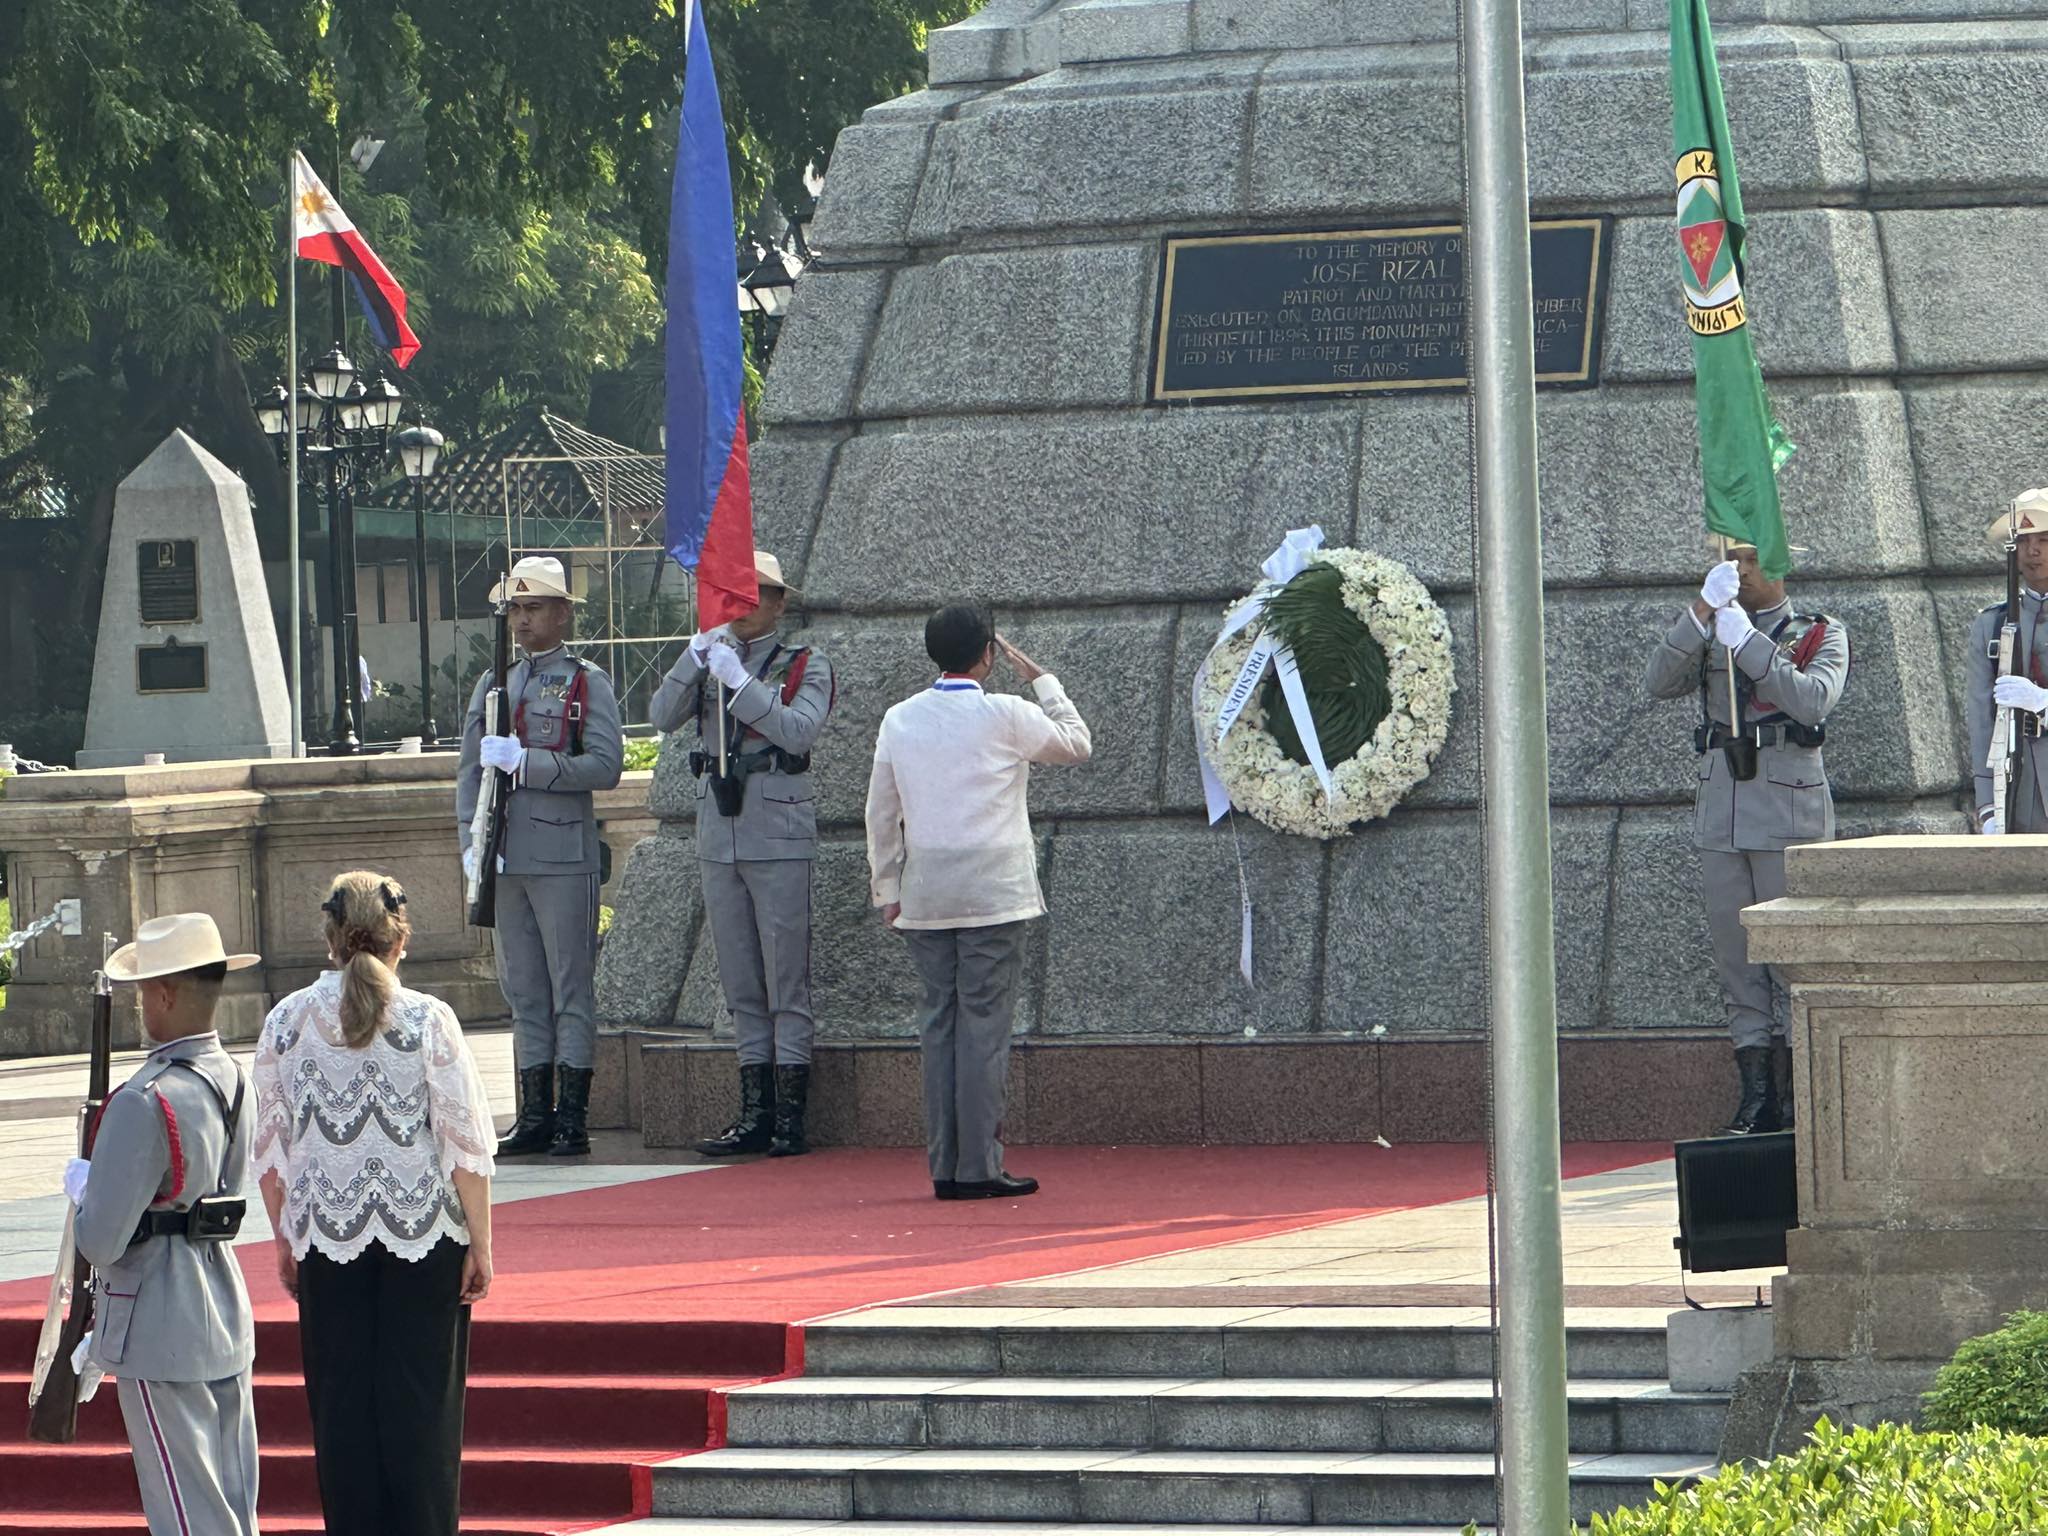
1732 626
1993 824
1721 585
472 862
2015 692
701 644
502 752
75 1172
729 667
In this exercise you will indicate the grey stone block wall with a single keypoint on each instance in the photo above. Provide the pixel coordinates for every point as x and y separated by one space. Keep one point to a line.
958 409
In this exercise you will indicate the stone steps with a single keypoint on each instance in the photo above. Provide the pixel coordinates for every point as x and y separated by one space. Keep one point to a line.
1205 1487
1295 1342
684 1525
1331 1417
1279 1414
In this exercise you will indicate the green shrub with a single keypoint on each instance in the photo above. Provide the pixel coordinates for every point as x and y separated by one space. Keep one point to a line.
1998 1380
641 751
1861 1482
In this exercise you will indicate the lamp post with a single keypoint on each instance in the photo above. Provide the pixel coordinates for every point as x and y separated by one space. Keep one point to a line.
337 429
419 451
768 275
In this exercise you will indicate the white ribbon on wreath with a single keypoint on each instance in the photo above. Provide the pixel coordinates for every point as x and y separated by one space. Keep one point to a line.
1282 566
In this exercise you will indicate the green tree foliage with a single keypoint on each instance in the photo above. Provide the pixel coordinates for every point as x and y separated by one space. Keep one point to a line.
522 200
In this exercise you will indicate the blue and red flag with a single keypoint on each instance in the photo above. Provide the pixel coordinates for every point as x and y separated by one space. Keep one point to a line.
710 501
322 232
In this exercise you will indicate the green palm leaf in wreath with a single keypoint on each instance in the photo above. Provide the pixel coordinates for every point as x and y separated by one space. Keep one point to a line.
1343 669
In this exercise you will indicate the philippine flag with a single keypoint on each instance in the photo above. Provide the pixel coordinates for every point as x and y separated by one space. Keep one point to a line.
710 501
322 232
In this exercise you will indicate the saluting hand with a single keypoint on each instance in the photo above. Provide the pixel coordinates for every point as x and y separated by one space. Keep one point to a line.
1026 669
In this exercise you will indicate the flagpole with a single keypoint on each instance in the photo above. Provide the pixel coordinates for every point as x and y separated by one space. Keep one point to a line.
1734 713
1521 954
291 437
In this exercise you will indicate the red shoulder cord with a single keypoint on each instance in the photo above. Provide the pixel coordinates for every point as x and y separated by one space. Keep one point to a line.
1809 645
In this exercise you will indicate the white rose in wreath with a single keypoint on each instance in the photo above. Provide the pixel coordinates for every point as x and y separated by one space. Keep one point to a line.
1375 654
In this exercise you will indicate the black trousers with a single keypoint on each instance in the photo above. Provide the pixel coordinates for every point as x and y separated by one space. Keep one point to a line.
386 1350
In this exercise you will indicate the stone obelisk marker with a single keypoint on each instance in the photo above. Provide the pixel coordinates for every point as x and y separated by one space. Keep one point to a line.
187 662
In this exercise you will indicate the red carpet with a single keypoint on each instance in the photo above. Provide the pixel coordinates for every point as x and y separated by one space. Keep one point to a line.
617 1313
775 1241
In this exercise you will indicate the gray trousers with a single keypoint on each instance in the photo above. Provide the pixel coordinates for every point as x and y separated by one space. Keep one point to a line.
760 914
970 997
547 966
195 1454
1733 881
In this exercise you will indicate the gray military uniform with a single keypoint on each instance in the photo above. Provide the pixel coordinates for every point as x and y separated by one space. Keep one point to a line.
548 877
171 1319
1982 665
1742 829
756 866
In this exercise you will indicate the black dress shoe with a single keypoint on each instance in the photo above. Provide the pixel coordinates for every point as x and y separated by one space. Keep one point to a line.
1002 1186
942 1189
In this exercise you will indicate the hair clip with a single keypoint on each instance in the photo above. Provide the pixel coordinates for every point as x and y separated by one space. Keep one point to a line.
393 898
335 908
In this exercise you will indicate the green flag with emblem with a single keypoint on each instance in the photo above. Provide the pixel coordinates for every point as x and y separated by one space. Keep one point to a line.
1742 447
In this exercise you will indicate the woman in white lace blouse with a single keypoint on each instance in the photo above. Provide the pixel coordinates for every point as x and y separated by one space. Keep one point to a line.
373 1137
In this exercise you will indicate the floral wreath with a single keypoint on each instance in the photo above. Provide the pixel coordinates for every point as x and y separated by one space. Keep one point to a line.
1400 667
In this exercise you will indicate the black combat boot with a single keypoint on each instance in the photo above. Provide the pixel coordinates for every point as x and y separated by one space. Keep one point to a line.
755 1127
535 1127
572 1112
1753 1062
792 1096
1781 1081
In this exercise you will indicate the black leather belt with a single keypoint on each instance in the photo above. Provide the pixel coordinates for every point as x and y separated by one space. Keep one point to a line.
1787 732
211 1219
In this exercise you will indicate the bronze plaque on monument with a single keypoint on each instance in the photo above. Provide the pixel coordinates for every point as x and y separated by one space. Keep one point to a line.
1350 311
167 576
170 668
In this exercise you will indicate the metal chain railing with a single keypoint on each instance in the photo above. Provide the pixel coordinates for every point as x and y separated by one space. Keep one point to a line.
21 938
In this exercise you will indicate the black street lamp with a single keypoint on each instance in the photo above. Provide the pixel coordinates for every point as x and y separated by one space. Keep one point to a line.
767 281
344 431
419 450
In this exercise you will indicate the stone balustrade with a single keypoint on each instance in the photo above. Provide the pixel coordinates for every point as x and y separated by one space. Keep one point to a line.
1919 973
255 844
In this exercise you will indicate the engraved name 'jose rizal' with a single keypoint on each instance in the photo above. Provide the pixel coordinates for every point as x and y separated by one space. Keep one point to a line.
1359 310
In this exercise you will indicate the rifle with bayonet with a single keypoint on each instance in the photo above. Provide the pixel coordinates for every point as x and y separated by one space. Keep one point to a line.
53 1388
494 790
2006 739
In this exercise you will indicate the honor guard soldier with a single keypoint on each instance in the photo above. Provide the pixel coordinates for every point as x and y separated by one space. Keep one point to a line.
564 746
757 837
158 1206
2025 690
1762 787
